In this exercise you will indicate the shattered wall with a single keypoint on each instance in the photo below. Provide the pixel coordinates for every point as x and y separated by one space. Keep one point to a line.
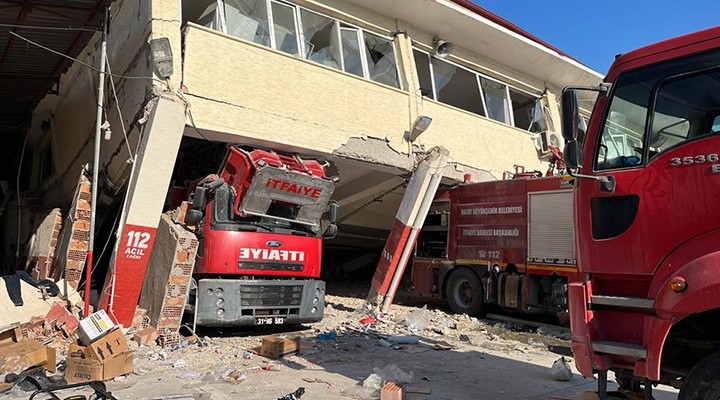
74 239
41 253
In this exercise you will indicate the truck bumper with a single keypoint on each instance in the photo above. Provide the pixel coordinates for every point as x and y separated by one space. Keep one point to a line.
237 302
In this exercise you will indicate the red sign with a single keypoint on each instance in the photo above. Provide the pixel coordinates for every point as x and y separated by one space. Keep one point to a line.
278 184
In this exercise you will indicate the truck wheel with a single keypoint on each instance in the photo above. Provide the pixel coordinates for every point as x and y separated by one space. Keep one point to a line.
703 380
465 293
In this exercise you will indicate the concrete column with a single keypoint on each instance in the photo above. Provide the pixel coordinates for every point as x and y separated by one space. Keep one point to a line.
143 206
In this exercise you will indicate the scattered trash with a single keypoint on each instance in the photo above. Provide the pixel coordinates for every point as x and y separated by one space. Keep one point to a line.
189 375
443 346
234 376
384 343
276 346
294 395
417 320
403 339
561 370
327 336
367 320
464 338
247 355
391 373
179 364
270 366
535 344
329 384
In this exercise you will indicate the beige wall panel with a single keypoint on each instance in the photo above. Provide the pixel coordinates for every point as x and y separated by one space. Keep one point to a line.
257 92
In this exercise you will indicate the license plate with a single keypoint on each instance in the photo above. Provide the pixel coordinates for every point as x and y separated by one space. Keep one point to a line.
269 321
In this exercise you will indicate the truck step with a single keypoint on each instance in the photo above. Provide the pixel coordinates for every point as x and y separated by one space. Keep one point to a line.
622 301
619 349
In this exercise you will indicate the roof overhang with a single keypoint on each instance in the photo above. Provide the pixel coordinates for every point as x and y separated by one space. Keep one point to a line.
470 28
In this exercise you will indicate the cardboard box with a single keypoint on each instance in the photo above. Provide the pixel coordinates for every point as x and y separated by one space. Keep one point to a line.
83 367
109 346
275 347
11 333
19 356
94 327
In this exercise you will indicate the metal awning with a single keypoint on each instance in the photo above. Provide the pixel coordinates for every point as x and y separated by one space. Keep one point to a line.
28 72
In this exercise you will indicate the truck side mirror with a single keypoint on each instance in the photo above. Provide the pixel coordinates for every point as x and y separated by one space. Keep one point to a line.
199 198
570 114
333 211
193 217
572 154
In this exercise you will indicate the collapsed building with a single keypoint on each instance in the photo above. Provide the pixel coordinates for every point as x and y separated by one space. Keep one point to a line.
370 86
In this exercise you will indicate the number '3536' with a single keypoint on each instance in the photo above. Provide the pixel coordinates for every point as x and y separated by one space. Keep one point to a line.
698 159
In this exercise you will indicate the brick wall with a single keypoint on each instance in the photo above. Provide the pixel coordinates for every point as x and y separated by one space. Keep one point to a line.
75 236
167 280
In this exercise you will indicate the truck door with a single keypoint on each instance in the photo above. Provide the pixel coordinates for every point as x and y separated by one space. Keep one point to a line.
658 138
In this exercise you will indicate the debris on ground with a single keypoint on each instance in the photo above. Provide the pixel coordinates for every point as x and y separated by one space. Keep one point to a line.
294 395
561 370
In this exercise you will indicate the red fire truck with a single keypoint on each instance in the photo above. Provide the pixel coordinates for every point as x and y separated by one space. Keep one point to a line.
260 232
647 219
508 243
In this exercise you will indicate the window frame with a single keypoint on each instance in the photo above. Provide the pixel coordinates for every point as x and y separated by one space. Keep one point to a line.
479 76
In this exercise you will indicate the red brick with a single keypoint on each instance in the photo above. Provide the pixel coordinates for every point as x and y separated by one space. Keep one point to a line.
78 245
391 391
146 337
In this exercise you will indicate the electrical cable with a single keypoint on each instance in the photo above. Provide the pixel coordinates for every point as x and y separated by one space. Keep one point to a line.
117 105
110 236
192 121
78 61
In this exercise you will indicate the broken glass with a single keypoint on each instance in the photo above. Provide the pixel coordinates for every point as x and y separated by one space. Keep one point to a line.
422 63
248 19
527 111
321 39
380 56
496 100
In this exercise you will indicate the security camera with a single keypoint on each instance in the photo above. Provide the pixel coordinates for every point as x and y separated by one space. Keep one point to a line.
442 48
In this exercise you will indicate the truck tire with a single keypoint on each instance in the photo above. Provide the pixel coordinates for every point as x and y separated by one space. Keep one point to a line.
465 293
703 380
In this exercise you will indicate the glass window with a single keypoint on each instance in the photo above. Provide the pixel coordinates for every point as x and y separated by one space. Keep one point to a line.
203 12
380 56
284 28
457 86
247 19
685 109
496 100
527 111
422 63
351 50
321 39
715 125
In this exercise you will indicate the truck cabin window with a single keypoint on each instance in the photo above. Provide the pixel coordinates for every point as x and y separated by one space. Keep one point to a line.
685 97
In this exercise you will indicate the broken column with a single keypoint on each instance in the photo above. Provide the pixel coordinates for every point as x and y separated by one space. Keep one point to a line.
143 205
167 281
74 237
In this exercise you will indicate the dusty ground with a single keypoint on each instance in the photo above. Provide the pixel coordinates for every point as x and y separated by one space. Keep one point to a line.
490 360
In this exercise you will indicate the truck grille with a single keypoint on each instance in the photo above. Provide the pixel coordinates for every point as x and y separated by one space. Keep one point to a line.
269 266
271 295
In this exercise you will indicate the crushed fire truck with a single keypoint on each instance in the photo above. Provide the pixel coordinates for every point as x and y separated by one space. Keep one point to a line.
507 243
647 219
260 233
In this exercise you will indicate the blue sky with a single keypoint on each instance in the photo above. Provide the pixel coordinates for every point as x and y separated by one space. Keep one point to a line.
595 31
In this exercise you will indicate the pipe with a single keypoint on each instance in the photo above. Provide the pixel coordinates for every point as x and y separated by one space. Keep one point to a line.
17 190
96 161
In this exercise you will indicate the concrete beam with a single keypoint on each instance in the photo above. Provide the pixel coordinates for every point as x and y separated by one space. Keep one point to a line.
364 187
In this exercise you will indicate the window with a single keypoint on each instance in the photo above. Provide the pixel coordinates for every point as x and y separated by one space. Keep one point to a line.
381 60
284 28
248 19
351 50
686 106
298 31
422 63
457 86
527 111
321 39
685 109
496 98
